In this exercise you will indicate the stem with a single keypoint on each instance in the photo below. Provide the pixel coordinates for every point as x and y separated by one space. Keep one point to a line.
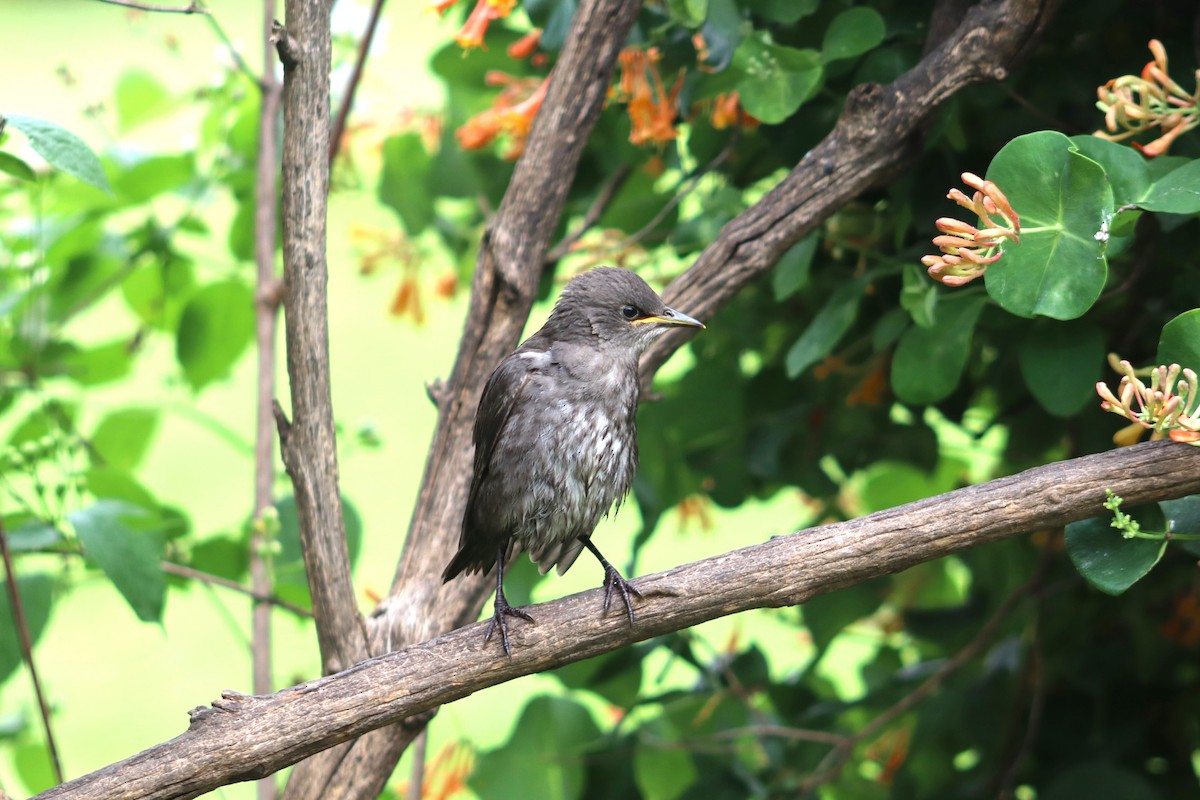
22 626
339 124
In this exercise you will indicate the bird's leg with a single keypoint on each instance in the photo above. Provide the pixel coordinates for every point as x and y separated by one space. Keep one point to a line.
501 608
612 578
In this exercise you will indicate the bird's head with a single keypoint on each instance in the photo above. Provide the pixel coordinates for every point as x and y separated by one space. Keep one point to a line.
616 308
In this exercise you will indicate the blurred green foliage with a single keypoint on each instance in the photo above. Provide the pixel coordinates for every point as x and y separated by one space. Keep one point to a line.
846 376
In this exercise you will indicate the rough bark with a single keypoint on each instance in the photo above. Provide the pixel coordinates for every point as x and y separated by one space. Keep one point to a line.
244 737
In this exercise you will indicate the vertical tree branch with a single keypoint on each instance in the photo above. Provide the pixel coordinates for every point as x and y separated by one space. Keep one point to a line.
266 211
364 47
308 442
22 626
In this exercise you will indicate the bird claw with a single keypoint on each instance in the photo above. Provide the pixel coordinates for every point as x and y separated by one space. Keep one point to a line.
502 610
612 578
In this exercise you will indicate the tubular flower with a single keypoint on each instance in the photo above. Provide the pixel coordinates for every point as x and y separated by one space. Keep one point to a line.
524 47
471 34
967 250
511 114
652 109
1133 104
727 112
1168 407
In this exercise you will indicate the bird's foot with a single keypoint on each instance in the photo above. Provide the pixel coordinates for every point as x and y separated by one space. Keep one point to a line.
613 579
502 610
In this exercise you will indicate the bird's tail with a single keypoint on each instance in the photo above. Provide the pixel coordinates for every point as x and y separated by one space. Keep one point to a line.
461 561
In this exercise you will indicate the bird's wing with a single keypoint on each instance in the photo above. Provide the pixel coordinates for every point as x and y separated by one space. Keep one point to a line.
501 393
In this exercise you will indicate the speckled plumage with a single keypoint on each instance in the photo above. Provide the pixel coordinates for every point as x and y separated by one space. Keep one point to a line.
555 433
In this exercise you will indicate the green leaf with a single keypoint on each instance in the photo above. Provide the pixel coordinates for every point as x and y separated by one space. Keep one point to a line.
34 765
852 33
1099 780
929 361
791 272
290 577
130 557
1061 364
1124 167
62 150
158 291
1063 198
1178 192
1179 342
122 438
216 326
11 165
690 13
1109 561
403 184
919 295
1183 516
783 11
826 328
154 176
662 773
140 97
775 80
100 364
37 593
544 756
826 615
615 676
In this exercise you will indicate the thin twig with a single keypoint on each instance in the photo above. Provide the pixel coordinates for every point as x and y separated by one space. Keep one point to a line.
216 580
364 46
686 188
194 7
22 626
836 759
597 209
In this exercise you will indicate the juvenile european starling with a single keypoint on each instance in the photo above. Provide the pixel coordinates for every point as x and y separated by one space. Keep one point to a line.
556 436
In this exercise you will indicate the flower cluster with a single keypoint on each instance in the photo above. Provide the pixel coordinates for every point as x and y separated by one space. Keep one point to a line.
652 109
1168 407
511 114
1133 104
967 250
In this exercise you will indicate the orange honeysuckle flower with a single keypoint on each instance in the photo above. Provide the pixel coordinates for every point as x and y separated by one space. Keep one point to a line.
967 250
727 112
471 34
652 109
441 6
1168 407
524 47
1134 104
511 114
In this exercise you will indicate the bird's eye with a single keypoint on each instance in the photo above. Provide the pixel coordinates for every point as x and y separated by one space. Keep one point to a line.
630 312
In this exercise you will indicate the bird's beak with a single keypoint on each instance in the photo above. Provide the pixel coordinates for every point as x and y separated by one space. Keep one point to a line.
669 316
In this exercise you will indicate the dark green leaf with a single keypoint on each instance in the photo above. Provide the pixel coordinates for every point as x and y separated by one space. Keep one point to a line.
783 11
62 149
11 165
1183 516
852 33
827 327
131 557
1109 561
929 361
1180 341
1061 364
1064 199
404 182
1100 781
122 438
216 326
791 272
1177 192
776 80
1124 167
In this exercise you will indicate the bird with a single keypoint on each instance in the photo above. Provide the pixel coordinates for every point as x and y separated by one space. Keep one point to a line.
556 435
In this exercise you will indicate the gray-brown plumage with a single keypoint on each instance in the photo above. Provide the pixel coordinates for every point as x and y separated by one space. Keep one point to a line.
556 436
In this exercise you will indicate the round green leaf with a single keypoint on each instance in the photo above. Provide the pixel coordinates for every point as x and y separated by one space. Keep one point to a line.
929 361
1180 341
62 149
1177 192
1124 166
662 773
1183 516
131 558
852 33
1064 200
1061 364
216 325
775 80
122 438
1109 561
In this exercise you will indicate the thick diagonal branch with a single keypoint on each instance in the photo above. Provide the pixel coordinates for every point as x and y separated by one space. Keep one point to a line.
244 737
